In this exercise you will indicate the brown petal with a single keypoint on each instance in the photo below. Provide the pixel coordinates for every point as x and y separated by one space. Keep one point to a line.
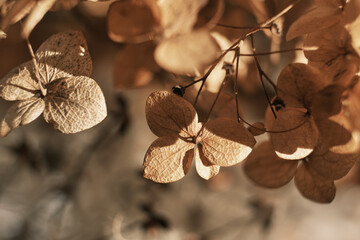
169 114
332 165
21 113
329 3
297 83
331 43
130 21
334 133
204 167
312 186
340 70
296 133
224 107
265 168
327 102
236 15
134 66
257 128
314 20
168 159
20 83
64 55
226 142
353 144
65 4
188 54
74 104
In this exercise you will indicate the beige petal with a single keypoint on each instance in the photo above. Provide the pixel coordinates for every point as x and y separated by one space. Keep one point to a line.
21 113
215 79
224 43
210 14
314 20
204 167
37 13
169 114
64 55
74 104
312 186
3 35
217 75
225 142
185 55
168 159
179 17
294 135
297 83
20 9
351 106
134 66
19 83
354 30
131 21
265 168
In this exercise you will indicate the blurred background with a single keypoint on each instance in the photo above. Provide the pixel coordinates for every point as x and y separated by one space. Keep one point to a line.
90 186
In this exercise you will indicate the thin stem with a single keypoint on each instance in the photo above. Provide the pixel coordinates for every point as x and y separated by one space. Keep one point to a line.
236 92
269 53
200 89
203 79
238 27
236 88
261 71
212 106
286 130
255 29
37 72
231 48
193 82
285 10
271 131
261 75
